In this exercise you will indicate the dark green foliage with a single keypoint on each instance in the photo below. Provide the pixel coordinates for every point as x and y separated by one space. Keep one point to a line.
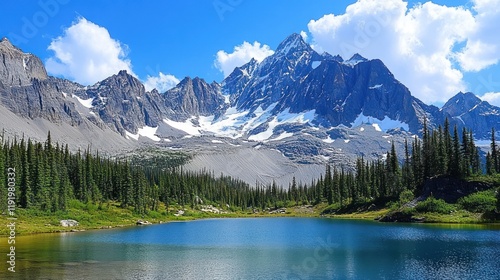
435 206
49 177
406 196
498 200
479 202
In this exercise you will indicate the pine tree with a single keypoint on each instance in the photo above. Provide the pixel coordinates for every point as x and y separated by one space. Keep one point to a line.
328 192
407 178
456 158
494 152
442 156
426 151
448 145
489 164
465 152
26 198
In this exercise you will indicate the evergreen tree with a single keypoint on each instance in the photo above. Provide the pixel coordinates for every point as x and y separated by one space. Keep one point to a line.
475 161
494 152
407 176
448 145
489 164
327 185
456 158
426 151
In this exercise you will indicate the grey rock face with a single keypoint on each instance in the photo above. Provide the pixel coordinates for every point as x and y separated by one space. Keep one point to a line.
122 103
41 99
193 97
18 68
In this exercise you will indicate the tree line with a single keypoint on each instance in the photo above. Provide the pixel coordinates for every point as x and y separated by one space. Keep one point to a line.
441 151
48 176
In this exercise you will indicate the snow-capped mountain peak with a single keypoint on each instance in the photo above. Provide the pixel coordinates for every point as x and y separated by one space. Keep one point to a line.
293 43
355 59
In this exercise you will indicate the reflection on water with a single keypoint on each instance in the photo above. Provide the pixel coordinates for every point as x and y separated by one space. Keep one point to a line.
277 248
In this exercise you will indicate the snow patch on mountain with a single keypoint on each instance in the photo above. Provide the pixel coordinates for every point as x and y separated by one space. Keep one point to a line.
87 103
328 140
146 131
315 64
131 135
235 124
375 86
186 126
379 125
149 132
285 117
282 136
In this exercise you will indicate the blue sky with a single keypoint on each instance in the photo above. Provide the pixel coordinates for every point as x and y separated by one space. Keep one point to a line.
436 49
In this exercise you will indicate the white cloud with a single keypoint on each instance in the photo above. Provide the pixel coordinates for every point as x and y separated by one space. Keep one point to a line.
226 62
427 47
304 35
483 46
162 82
86 54
492 97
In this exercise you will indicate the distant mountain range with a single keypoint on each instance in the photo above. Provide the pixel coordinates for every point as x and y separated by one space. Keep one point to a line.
310 107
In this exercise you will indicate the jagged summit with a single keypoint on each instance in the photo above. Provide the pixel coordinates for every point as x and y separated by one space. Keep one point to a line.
5 40
294 43
461 103
469 111
328 56
19 68
193 97
122 73
355 59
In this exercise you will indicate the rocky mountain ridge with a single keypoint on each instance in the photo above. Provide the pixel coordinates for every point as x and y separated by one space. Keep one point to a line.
305 107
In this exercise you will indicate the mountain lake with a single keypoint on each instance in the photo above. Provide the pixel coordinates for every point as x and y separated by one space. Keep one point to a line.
262 248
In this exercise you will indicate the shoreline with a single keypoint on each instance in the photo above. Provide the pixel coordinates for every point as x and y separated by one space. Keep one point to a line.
198 215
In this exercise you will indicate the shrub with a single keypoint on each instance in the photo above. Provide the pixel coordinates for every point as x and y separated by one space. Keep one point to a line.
405 196
479 202
434 205
330 209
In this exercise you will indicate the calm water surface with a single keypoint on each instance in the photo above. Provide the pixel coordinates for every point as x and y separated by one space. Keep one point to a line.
262 248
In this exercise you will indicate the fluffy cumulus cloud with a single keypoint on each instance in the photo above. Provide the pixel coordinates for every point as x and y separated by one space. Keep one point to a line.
428 47
226 62
162 82
492 97
86 53
483 45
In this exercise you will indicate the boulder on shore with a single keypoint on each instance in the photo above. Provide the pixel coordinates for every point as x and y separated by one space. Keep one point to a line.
68 223
142 223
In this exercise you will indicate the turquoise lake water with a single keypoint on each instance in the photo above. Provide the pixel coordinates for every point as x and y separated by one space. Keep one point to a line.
262 248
